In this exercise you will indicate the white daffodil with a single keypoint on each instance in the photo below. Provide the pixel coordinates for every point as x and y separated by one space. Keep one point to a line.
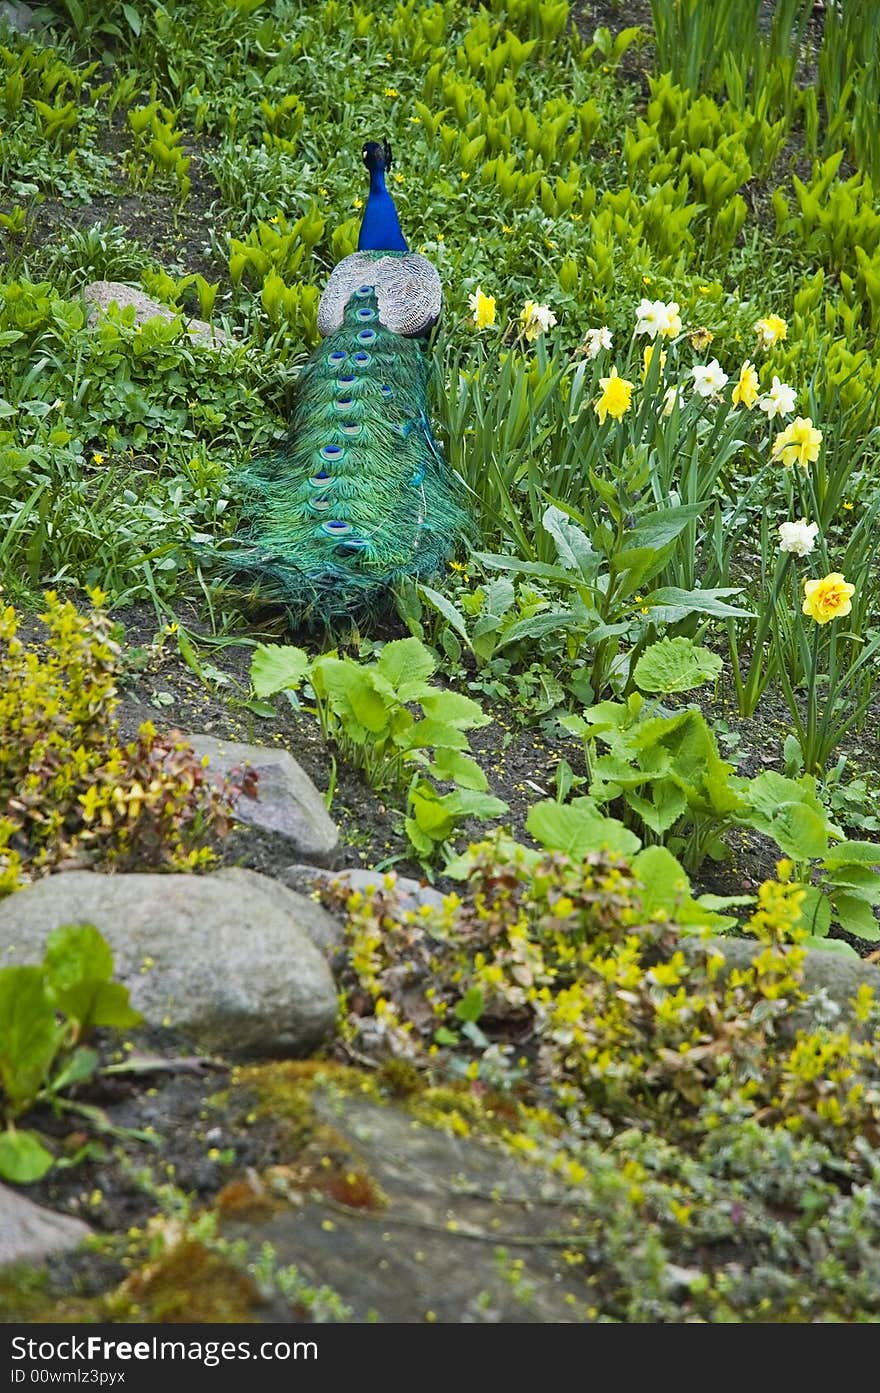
779 401
709 378
798 537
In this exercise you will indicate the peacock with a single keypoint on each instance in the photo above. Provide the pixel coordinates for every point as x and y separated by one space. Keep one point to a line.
358 496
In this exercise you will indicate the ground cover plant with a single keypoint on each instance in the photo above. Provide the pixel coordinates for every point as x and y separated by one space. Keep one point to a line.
656 377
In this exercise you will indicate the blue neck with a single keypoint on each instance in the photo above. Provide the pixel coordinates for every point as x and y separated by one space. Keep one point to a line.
380 227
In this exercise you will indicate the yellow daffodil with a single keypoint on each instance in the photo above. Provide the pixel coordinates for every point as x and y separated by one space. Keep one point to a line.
482 308
829 598
615 398
745 393
798 443
770 330
647 355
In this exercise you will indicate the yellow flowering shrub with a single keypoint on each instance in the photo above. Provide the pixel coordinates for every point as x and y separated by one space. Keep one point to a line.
70 792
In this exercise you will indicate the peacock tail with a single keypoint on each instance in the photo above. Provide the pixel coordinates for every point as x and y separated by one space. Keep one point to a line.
358 496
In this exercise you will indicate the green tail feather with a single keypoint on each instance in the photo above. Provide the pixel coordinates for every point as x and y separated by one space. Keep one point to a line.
358 496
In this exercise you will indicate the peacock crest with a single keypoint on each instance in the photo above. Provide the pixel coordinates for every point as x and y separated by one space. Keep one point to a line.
358 496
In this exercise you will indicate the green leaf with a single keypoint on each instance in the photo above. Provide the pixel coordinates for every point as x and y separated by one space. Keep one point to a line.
74 952
406 660
442 1036
275 666
455 709
574 550
23 1157
29 1034
855 916
670 604
445 607
460 769
676 665
666 890
431 735
352 693
815 911
92 1002
471 1006
579 829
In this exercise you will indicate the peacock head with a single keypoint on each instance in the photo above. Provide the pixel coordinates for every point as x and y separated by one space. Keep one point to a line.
377 157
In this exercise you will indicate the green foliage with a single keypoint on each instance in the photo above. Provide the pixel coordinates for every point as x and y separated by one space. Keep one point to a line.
366 710
41 1057
69 790
674 1098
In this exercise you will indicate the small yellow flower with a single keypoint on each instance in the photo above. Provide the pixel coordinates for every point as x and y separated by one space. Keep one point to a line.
745 393
391 92
274 218
616 396
829 598
98 458
398 177
770 330
699 339
798 443
464 176
358 202
848 506
482 308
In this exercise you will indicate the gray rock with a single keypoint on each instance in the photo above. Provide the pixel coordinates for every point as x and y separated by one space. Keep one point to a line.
432 1251
100 295
227 960
411 893
837 975
19 17
29 1233
287 803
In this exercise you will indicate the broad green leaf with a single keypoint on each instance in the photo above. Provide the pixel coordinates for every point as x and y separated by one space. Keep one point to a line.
74 952
664 807
855 916
853 854
660 528
23 1157
445 607
92 1002
574 549
831 945
29 1034
455 709
670 604
666 890
430 734
406 660
352 693
579 830
459 768
815 911
471 1006
275 666
676 665
537 626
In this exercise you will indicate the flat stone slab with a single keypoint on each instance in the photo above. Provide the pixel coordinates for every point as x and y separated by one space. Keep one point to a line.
100 295
231 960
466 1234
29 1233
286 803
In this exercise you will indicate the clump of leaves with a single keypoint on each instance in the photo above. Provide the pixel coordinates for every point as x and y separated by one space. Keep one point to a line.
718 1142
70 793
46 1013
366 709
627 1014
